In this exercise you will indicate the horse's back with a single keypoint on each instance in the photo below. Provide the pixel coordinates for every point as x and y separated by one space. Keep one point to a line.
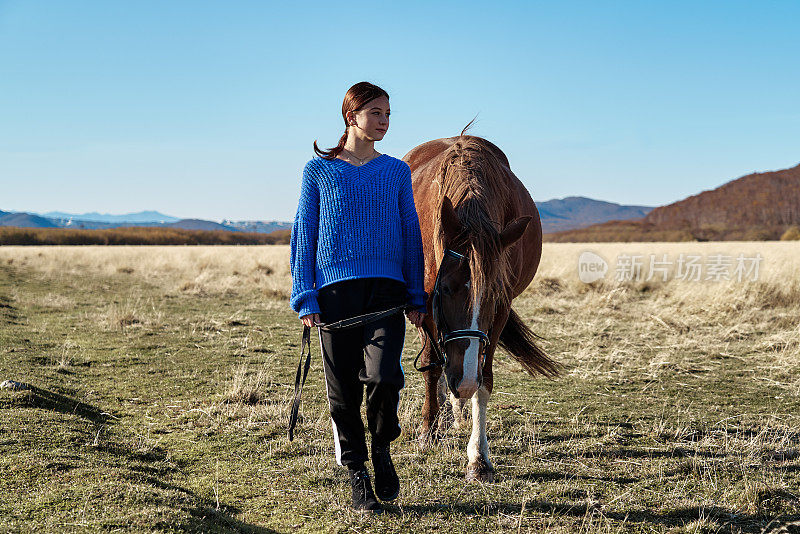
423 154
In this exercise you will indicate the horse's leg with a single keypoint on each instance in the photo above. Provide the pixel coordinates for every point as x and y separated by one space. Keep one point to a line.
479 466
442 390
434 392
430 408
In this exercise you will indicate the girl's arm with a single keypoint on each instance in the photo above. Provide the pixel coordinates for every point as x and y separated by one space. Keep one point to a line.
413 258
304 246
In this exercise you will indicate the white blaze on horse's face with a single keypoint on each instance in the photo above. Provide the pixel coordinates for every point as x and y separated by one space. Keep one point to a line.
463 350
471 373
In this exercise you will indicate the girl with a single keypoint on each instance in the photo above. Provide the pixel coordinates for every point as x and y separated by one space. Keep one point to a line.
356 248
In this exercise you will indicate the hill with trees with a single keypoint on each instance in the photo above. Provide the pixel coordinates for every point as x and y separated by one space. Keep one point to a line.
759 206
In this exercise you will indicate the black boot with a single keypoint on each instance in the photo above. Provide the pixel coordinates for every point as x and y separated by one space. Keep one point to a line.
363 496
387 485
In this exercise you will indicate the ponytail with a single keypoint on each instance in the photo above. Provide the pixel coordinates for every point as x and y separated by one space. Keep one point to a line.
331 153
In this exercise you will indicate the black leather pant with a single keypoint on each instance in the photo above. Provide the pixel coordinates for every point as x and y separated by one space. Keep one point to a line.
367 355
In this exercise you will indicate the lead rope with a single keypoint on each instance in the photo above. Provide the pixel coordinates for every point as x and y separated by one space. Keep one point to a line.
425 334
305 351
298 382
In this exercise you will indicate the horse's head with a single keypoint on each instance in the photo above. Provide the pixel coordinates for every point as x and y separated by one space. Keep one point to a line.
472 291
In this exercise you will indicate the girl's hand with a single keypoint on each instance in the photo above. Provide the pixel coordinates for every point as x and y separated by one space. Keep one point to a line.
416 317
311 319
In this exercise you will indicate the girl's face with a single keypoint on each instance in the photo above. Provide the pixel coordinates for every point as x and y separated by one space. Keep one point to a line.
372 120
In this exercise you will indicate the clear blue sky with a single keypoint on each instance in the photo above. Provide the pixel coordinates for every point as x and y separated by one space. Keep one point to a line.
209 109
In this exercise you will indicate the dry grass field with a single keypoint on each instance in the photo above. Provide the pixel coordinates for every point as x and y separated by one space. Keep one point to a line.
161 376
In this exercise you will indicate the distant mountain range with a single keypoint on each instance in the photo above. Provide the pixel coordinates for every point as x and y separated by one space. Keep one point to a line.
577 212
557 215
25 220
142 217
94 220
262 227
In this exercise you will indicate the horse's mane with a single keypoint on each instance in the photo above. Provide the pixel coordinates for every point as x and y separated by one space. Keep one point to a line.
476 182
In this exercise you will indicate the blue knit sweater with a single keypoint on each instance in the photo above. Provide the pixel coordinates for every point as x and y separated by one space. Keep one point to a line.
355 222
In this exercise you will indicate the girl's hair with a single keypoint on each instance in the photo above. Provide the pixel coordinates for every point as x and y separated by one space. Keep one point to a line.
355 99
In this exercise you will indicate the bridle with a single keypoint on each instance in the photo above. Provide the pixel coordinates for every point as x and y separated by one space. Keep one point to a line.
444 333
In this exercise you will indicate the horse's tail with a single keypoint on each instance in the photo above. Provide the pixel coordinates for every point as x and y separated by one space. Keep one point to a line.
518 340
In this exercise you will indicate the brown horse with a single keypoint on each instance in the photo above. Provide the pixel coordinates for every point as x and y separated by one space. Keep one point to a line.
470 202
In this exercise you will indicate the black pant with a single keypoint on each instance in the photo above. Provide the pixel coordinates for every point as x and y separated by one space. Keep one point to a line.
367 355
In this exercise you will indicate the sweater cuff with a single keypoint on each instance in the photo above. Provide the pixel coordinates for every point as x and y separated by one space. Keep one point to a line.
309 306
305 303
419 301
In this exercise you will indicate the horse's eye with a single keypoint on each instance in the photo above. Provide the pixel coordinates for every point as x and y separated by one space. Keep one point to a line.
445 290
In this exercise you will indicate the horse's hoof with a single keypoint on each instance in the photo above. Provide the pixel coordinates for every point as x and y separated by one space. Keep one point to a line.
480 471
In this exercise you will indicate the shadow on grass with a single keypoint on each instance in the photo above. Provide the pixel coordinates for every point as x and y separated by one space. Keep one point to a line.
202 515
674 518
199 514
148 467
8 313
632 452
675 452
544 476
208 519
41 398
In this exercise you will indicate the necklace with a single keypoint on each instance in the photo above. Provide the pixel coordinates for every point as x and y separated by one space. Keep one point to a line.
360 160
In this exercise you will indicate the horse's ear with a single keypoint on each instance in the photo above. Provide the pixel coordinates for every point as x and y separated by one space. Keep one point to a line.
451 226
513 231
